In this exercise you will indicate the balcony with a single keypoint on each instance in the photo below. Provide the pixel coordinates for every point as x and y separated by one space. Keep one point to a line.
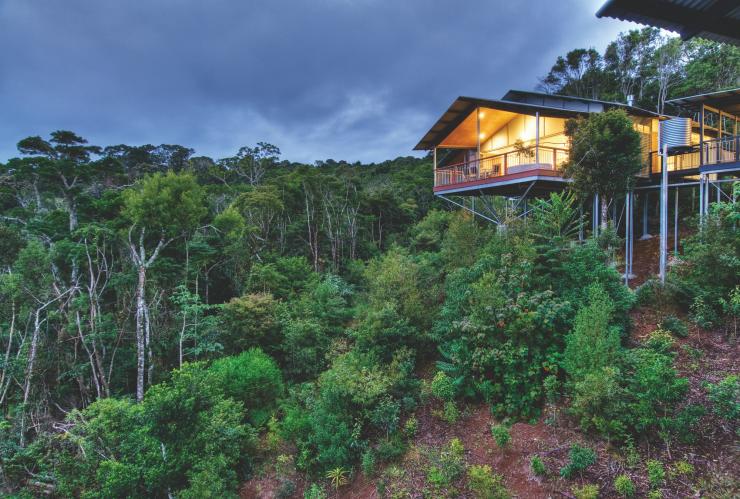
717 152
489 170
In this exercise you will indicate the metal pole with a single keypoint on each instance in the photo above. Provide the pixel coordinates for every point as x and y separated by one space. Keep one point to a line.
675 224
632 233
537 140
701 197
645 208
664 214
595 217
627 236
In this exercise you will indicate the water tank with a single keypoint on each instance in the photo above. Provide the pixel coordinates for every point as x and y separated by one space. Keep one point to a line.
675 133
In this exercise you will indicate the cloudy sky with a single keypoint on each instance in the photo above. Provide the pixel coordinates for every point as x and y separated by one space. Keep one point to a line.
342 79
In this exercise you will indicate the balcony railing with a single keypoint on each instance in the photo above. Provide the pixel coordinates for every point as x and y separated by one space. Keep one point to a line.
540 158
717 151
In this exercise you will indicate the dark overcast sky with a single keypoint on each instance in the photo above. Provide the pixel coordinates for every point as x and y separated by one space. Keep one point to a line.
342 79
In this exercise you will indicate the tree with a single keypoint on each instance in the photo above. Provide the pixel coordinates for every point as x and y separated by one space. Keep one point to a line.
160 208
605 156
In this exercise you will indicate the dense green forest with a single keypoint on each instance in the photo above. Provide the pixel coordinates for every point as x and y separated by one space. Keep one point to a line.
175 326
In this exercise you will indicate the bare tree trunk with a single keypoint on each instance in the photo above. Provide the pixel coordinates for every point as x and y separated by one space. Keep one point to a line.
4 375
140 305
604 213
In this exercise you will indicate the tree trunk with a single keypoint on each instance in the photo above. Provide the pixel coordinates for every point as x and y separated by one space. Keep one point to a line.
140 352
604 213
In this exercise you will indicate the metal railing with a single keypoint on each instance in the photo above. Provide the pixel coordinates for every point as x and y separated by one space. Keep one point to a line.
717 151
542 158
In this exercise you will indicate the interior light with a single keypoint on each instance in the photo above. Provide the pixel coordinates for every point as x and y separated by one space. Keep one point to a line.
482 135
481 114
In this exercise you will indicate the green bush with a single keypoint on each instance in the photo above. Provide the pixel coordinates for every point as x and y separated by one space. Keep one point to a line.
656 473
675 326
450 413
501 435
580 458
252 378
251 321
624 486
538 466
485 484
725 397
660 340
448 464
410 427
315 491
588 491
442 386
368 463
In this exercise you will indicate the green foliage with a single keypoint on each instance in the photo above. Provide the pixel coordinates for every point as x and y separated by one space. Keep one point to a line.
661 341
655 473
450 412
711 262
593 343
410 427
168 203
588 491
537 466
251 321
447 464
624 486
368 463
725 397
442 386
252 378
674 325
338 477
501 435
314 491
605 154
485 484
118 448
580 458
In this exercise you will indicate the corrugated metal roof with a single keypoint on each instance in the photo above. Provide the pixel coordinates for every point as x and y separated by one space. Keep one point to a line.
717 20
725 100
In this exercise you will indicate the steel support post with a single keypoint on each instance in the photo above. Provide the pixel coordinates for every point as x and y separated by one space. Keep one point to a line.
645 208
675 224
664 214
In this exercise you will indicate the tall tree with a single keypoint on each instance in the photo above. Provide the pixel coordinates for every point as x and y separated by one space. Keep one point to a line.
605 156
161 209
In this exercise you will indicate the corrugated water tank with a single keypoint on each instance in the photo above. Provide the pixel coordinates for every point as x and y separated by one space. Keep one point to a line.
675 133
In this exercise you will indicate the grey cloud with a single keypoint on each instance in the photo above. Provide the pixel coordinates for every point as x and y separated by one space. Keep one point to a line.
342 79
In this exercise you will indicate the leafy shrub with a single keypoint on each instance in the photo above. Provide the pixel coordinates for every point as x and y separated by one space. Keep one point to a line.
551 384
656 473
251 321
315 491
410 427
725 397
538 466
368 463
681 468
448 464
442 386
580 459
390 448
593 343
485 484
675 326
253 378
450 413
624 486
501 435
588 491
660 341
